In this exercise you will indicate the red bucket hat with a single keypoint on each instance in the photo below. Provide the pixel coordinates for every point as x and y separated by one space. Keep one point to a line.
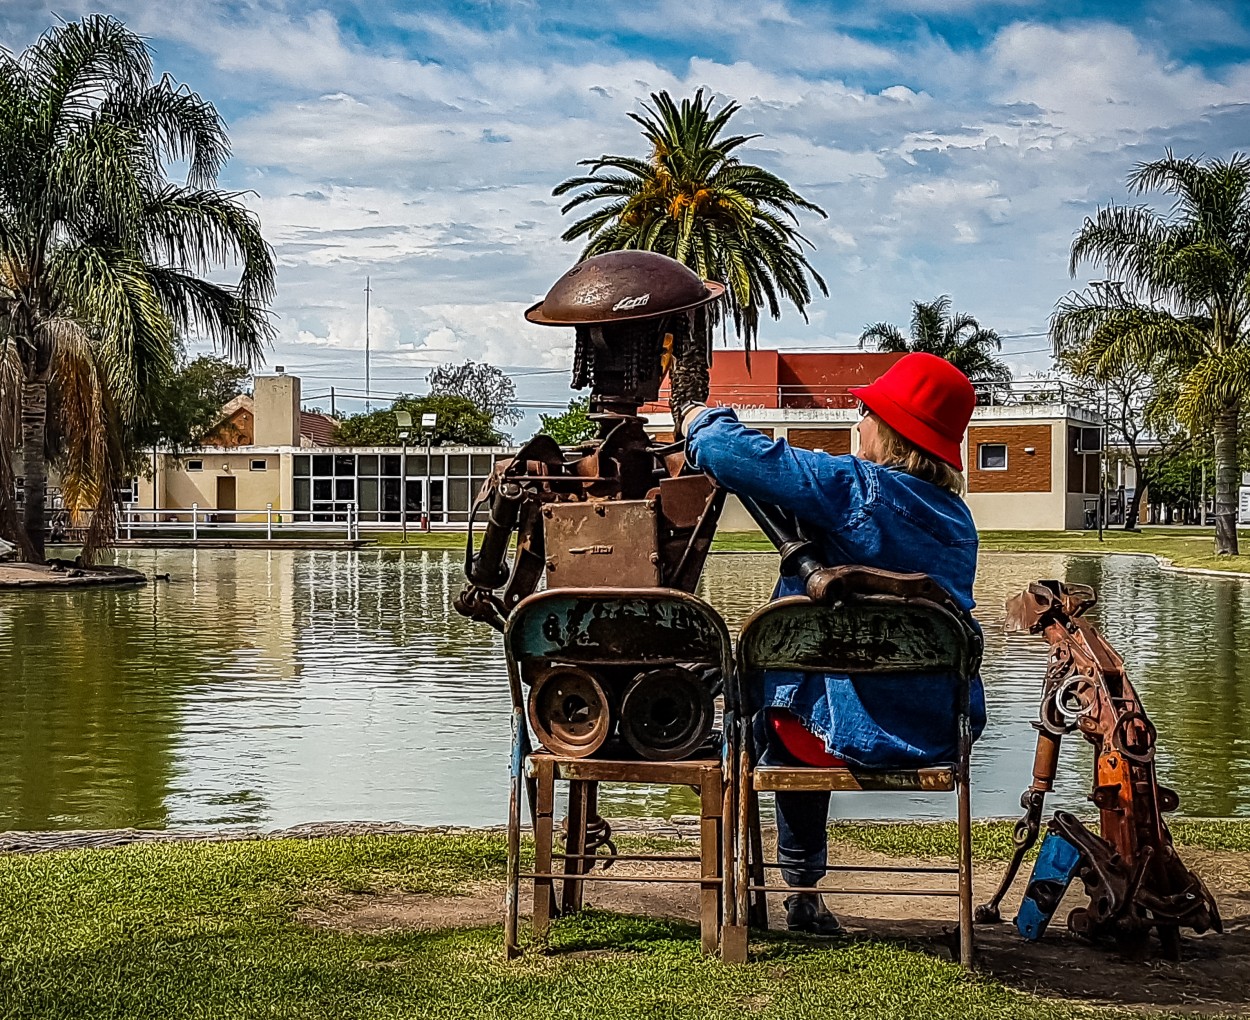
926 400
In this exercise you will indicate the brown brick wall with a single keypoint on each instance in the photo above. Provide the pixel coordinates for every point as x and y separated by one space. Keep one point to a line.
667 437
834 441
1026 472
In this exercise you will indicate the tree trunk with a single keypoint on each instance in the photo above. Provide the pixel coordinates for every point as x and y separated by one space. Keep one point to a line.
1227 480
1134 507
35 463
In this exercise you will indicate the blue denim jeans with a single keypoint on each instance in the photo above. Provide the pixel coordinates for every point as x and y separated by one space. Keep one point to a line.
802 818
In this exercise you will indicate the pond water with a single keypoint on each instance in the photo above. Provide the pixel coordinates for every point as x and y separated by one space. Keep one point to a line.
276 687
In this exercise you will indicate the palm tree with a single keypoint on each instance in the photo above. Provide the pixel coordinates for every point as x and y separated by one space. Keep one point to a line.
103 258
692 199
956 337
1179 304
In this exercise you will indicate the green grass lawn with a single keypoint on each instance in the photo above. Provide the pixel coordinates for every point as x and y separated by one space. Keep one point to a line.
209 930
1185 547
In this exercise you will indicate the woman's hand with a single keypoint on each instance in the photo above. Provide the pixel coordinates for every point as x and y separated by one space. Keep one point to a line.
688 414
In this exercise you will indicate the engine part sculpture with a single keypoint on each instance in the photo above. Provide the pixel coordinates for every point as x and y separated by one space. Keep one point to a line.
1132 873
620 511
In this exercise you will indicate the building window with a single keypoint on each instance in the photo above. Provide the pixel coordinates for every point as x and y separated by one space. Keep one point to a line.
260 465
1089 440
992 456
195 465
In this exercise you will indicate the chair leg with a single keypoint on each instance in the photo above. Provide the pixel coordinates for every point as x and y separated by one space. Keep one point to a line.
759 899
967 950
516 791
711 805
734 933
543 887
575 843
729 904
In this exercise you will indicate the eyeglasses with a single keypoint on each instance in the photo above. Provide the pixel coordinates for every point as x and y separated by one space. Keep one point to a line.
863 409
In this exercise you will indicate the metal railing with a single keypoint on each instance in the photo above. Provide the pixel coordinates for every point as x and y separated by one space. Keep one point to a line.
338 517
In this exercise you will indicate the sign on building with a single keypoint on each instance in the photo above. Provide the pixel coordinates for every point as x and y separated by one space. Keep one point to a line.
1243 506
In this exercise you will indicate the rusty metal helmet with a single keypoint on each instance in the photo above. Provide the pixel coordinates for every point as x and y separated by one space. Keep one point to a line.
621 286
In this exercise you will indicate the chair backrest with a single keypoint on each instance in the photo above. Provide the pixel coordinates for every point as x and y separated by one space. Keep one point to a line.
884 629
647 627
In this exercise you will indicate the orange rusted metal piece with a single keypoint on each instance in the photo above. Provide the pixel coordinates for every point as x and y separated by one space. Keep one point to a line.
1134 877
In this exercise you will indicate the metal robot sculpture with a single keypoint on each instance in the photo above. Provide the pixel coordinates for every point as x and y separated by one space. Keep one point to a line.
1132 873
620 511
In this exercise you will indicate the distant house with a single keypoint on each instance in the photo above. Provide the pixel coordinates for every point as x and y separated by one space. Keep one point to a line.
238 426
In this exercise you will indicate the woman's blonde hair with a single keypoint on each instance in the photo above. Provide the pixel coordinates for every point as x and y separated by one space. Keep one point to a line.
906 455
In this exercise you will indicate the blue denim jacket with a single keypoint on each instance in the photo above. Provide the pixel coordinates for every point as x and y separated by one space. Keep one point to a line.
862 513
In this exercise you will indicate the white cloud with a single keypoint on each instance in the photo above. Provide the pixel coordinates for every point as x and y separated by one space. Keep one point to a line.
428 164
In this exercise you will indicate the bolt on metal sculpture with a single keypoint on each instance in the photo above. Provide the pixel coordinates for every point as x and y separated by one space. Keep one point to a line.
620 512
1132 873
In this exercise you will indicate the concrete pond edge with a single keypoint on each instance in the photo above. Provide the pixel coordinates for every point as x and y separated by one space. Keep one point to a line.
678 827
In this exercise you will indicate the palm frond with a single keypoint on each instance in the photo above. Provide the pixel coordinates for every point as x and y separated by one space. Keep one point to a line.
694 201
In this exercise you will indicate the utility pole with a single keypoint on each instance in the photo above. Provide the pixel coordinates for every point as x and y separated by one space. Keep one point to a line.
332 414
368 291
1102 458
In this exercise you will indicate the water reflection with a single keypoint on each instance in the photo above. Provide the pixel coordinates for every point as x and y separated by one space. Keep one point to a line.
282 686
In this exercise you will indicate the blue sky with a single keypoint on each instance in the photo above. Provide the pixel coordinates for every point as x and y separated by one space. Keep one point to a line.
956 145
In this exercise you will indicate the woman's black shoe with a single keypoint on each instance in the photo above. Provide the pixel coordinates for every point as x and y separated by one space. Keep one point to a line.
806 912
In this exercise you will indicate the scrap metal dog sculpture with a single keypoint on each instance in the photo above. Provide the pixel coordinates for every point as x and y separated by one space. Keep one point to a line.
1132 873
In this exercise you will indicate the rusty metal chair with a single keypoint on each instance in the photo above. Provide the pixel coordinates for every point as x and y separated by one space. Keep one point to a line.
898 625
581 633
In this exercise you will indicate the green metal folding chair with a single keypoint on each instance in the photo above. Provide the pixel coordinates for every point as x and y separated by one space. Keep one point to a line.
587 630
894 624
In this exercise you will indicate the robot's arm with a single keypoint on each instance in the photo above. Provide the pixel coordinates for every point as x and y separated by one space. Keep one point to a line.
486 568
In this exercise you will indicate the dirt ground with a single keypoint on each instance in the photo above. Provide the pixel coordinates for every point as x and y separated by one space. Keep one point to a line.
1212 977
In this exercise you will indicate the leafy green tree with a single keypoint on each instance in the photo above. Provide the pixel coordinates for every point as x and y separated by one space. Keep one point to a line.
104 260
184 407
693 200
484 385
1140 420
1179 302
957 337
569 427
460 423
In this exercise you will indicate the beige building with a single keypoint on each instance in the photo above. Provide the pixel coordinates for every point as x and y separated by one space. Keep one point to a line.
270 460
1030 466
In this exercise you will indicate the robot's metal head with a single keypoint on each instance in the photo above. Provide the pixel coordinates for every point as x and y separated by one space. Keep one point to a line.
622 286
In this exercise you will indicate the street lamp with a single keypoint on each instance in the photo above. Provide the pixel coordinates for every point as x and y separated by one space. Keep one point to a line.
428 421
404 420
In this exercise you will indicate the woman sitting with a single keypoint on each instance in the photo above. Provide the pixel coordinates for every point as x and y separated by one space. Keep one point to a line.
895 505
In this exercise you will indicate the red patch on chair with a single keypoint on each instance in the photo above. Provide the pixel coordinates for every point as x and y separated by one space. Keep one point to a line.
800 741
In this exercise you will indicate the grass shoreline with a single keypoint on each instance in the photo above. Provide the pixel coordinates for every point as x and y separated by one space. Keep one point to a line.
218 929
1184 549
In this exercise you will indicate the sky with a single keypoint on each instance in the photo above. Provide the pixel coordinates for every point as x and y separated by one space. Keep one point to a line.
956 146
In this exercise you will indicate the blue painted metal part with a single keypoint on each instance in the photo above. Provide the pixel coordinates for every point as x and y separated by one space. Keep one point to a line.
1056 866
